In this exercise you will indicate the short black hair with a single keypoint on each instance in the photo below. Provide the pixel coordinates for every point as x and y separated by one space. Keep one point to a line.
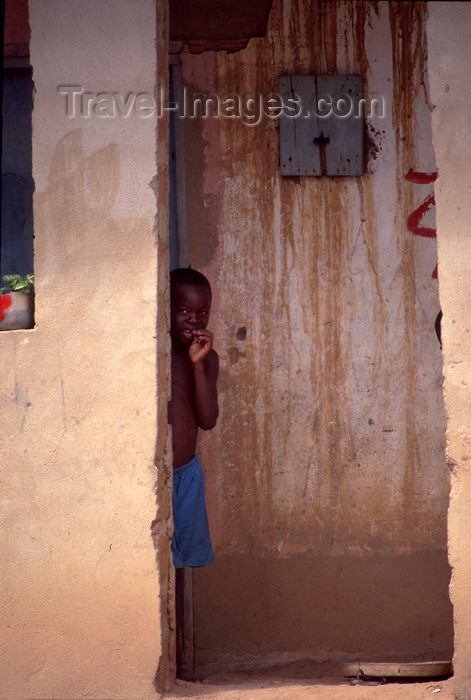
186 275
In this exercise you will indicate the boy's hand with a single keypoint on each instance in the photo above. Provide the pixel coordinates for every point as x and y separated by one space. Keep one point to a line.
201 345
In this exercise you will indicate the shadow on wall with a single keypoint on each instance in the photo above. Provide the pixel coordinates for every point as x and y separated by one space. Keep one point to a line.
387 605
76 211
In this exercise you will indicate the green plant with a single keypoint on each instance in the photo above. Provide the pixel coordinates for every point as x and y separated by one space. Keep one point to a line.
17 283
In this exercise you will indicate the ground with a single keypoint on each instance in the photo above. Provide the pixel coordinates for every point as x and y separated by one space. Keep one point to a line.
301 683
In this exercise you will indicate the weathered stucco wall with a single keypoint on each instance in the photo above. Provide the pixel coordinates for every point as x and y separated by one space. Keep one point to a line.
449 32
327 478
80 592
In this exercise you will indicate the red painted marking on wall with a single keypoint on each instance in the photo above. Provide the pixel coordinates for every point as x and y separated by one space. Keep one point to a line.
421 178
413 222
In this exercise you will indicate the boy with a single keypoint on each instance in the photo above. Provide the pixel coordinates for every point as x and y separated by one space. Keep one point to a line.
193 405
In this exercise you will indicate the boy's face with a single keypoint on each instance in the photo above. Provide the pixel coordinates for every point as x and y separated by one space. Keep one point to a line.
190 309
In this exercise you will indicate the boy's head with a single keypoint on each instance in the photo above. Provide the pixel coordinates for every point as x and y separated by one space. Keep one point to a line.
190 303
187 276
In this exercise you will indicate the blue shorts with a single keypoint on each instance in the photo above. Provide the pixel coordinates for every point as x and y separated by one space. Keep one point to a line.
191 541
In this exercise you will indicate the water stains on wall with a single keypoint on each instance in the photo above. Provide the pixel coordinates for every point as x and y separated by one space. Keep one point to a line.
331 435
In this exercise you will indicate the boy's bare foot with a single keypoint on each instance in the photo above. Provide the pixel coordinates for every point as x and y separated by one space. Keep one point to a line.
184 673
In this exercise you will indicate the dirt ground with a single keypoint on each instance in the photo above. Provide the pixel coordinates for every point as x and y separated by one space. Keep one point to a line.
300 683
301 690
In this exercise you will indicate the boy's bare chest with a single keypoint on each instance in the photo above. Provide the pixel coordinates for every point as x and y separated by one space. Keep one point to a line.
182 381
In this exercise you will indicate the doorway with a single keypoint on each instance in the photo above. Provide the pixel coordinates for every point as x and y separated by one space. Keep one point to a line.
327 479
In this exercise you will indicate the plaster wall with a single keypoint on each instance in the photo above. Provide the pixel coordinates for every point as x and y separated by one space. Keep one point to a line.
326 475
449 33
80 591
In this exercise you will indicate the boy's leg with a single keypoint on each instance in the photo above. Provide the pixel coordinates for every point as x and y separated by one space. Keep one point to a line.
184 623
184 653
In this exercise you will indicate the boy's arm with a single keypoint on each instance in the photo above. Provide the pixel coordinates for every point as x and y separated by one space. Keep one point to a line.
205 362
